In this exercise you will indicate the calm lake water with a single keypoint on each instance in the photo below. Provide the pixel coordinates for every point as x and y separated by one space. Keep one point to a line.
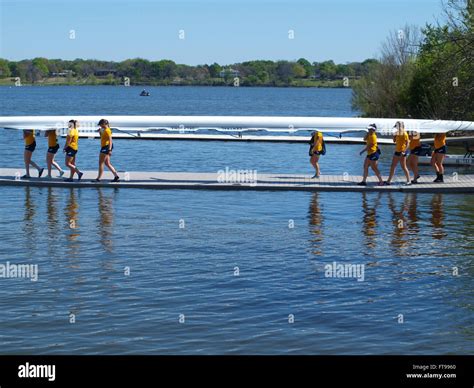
203 272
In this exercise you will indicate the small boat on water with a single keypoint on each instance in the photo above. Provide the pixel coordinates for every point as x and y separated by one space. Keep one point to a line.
144 93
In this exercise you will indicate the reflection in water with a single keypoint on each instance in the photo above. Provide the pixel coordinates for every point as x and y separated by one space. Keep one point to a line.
315 221
52 211
400 235
437 217
411 201
369 218
106 219
71 213
52 221
29 228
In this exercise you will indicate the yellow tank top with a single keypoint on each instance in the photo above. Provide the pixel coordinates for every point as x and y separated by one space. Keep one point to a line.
439 140
52 139
401 142
105 136
74 136
29 138
415 141
371 143
318 142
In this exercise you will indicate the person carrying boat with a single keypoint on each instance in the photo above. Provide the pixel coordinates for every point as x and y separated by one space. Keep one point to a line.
105 154
373 155
437 158
53 147
30 146
415 151
401 141
316 149
70 149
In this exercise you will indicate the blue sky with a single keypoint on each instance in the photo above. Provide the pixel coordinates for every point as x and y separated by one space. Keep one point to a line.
214 31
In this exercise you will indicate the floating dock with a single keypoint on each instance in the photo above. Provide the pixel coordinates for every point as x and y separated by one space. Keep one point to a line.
235 180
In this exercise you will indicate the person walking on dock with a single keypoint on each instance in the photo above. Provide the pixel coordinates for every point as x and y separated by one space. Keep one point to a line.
437 158
53 147
105 154
30 146
415 152
316 149
401 141
373 155
70 148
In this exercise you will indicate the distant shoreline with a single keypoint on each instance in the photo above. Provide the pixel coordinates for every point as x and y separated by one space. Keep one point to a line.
318 85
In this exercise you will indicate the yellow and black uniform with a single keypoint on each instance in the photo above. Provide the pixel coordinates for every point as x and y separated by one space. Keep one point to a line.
415 144
316 144
71 149
401 142
440 143
105 137
53 145
373 152
30 141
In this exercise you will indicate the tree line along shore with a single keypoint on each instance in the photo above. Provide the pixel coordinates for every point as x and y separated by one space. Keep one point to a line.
138 71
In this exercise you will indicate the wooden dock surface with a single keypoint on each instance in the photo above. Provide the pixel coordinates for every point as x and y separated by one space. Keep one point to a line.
240 181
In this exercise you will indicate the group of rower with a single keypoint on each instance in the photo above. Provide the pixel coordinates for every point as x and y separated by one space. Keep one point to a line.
407 150
70 149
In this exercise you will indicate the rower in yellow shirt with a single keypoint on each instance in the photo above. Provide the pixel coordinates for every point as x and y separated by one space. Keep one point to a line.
316 149
30 146
105 154
415 152
437 158
401 141
70 148
373 155
53 147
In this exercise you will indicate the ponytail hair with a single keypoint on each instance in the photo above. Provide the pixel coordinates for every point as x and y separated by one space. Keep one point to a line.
400 125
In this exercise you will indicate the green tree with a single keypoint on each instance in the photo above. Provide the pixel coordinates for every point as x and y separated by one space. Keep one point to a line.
40 67
308 68
4 68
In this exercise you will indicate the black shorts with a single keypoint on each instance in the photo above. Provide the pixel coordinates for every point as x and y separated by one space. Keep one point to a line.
416 151
400 154
374 156
31 147
53 150
106 150
70 152
441 150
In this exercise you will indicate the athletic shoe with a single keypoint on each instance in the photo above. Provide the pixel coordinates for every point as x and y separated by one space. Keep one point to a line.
40 172
362 184
116 179
79 175
61 173
68 180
